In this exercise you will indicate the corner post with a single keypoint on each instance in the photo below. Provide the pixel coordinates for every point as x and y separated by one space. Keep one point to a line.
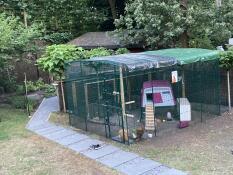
123 103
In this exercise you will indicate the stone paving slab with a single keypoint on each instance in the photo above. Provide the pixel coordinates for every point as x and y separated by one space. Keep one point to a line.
157 171
117 158
49 130
105 150
60 134
41 130
40 126
71 139
137 166
84 145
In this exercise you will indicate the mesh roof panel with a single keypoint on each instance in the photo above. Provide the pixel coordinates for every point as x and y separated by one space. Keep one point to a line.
135 61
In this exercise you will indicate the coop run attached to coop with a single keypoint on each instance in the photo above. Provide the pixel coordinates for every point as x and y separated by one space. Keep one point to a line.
124 96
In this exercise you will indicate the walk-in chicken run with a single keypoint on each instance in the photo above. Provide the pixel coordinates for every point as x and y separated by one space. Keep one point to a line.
134 96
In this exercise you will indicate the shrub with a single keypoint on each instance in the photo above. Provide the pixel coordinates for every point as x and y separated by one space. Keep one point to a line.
58 38
49 90
53 61
31 87
17 102
121 51
8 83
97 52
31 104
20 89
226 59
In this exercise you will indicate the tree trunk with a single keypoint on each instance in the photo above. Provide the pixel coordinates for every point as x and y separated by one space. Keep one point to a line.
229 90
184 39
112 4
218 3
25 18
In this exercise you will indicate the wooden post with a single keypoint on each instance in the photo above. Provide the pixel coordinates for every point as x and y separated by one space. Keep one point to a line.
229 90
63 96
86 100
122 98
114 90
129 91
26 94
74 95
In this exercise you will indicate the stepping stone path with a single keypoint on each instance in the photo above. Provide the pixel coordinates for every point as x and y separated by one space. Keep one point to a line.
111 156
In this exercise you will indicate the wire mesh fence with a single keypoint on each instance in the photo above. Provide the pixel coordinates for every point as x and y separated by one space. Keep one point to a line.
113 101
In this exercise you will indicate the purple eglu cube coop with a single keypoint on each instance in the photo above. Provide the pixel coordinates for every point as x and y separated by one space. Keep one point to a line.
157 92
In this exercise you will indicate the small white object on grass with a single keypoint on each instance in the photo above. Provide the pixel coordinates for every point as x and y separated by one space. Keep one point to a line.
134 135
29 116
169 116
150 135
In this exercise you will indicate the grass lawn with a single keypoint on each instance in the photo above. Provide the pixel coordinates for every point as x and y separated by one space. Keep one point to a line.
202 149
22 152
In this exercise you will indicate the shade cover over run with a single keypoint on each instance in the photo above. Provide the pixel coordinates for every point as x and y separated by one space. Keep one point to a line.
137 61
187 55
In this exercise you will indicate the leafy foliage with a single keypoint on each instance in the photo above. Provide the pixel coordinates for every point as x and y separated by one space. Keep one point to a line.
121 51
13 34
73 16
154 23
14 40
209 26
97 52
49 90
17 102
226 59
58 38
160 24
55 57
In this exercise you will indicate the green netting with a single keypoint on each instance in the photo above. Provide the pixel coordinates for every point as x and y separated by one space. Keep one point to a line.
94 91
188 56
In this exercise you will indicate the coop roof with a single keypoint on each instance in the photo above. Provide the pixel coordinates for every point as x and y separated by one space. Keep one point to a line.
137 61
96 39
187 55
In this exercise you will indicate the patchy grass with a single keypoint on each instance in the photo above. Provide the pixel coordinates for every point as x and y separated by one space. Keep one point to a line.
201 149
22 152
59 118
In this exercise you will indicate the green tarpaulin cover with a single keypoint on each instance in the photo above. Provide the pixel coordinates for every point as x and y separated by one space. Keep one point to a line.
187 55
